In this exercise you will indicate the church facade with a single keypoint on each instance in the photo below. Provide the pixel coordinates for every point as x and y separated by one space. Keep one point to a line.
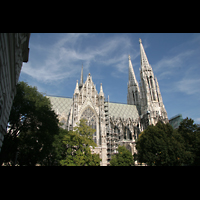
115 124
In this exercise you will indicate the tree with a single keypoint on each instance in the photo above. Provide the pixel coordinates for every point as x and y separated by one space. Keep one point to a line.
31 129
59 146
122 158
190 133
160 145
77 146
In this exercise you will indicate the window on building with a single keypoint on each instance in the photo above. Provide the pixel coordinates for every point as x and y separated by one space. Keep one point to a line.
89 115
127 134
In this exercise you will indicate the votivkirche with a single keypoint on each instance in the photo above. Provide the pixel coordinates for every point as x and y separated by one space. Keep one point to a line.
115 123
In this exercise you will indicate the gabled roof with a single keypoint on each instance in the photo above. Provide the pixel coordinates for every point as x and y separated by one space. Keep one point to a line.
60 104
123 111
63 105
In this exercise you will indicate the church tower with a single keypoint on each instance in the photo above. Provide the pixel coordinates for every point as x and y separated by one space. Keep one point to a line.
133 97
152 107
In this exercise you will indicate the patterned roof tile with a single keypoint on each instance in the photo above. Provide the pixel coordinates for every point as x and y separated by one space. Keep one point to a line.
63 105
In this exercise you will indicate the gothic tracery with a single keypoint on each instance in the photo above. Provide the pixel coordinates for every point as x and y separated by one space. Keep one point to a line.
118 124
89 115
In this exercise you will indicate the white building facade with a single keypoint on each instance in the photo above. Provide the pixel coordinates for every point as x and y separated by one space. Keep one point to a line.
115 124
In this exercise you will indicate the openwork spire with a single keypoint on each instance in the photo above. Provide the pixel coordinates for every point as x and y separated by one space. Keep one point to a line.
143 58
133 96
132 79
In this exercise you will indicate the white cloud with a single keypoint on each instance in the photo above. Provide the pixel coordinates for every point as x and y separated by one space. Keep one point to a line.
169 65
189 86
197 120
57 62
63 59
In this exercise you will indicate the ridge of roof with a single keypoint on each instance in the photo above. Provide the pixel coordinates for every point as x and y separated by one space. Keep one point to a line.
71 98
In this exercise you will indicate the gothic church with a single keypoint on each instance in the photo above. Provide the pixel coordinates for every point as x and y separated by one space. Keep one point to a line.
115 123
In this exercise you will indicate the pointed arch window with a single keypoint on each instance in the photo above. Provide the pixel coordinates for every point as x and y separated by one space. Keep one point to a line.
117 132
152 89
89 115
127 134
133 97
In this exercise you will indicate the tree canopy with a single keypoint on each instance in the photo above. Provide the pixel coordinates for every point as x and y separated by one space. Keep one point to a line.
190 133
161 145
122 158
76 146
31 129
34 137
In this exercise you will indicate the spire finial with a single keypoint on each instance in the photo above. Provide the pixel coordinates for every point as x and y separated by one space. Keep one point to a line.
129 57
81 80
143 58
140 41
76 89
101 90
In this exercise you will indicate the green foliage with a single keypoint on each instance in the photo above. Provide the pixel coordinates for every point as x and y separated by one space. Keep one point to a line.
161 145
122 158
31 129
75 150
59 147
190 133
156 146
33 135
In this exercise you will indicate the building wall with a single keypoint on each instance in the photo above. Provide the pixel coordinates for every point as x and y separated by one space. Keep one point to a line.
116 124
176 120
119 124
13 52
88 104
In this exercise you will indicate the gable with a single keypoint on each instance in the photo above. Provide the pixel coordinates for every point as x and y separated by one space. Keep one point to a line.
89 88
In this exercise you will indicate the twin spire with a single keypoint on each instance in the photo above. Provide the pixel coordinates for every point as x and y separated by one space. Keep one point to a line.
149 88
132 79
144 65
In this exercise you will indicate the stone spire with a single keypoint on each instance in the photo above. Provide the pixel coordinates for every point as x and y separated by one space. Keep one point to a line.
133 97
152 108
143 58
158 91
132 79
81 79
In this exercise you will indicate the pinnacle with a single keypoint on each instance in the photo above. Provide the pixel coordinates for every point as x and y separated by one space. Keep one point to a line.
101 90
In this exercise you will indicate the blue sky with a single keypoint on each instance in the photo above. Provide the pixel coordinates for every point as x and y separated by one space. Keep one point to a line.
55 61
